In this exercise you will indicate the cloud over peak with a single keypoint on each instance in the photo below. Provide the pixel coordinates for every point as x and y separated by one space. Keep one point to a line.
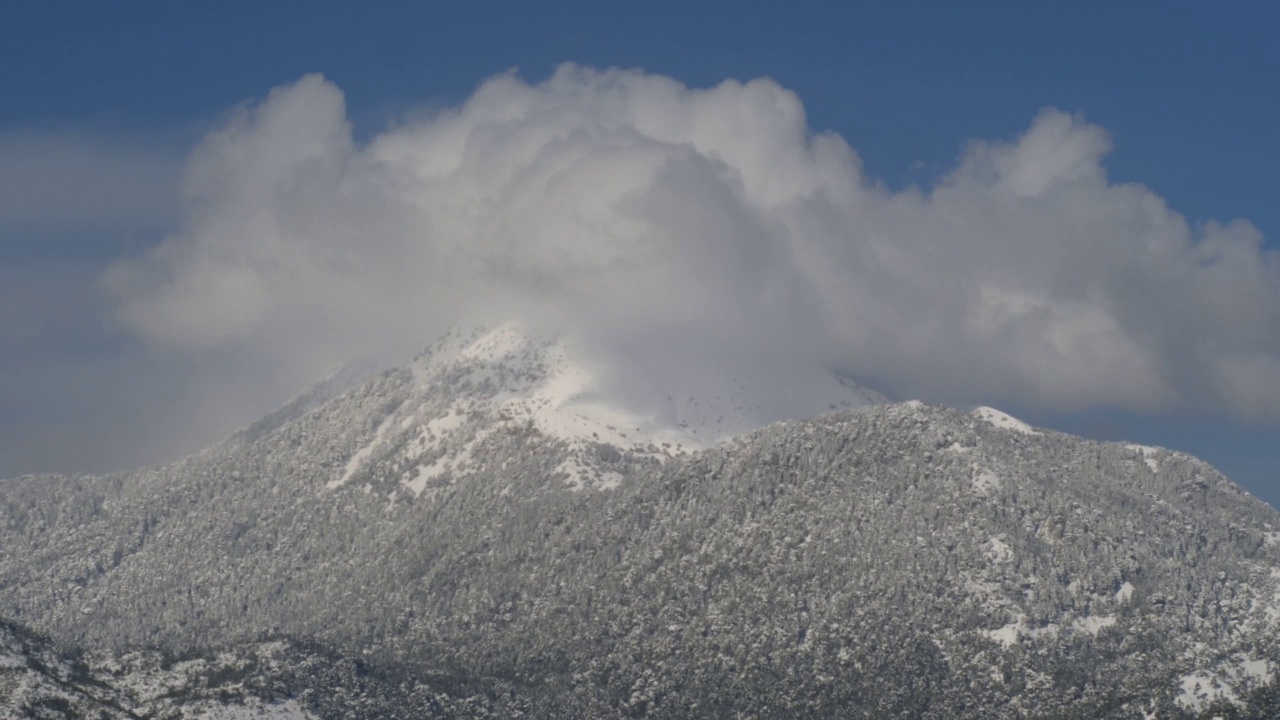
696 226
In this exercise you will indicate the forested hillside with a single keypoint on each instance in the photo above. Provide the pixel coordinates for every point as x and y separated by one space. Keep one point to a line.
887 561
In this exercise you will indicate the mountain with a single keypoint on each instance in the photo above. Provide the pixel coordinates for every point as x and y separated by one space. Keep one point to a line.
511 527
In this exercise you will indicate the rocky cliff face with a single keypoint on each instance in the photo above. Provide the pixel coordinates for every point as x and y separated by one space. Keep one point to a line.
498 523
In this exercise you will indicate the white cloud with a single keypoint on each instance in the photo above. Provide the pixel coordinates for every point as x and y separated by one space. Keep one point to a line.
701 225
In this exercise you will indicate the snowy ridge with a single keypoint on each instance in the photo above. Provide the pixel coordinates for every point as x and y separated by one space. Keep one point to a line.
1003 420
474 380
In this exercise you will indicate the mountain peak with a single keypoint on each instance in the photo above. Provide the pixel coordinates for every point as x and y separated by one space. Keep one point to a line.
474 379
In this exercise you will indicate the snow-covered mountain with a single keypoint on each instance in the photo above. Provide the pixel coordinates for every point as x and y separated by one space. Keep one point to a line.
522 525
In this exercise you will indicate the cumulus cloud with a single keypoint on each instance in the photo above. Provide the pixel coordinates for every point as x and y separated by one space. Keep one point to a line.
696 226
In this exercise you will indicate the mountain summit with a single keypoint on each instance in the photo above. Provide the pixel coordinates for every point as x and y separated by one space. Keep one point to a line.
472 381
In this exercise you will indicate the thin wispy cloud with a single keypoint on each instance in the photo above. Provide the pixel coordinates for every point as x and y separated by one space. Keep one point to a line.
53 181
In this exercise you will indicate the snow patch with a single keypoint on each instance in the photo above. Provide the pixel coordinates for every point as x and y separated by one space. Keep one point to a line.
1125 592
435 431
567 404
1007 635
998 551
358 458
986 483
456 463
500 342
1258 670
1004 421
1225 681
1092 624
1200 689
1011 634
609 481
12 661
427 473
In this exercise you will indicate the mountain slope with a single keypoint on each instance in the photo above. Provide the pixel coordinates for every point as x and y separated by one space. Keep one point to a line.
470 519
279 679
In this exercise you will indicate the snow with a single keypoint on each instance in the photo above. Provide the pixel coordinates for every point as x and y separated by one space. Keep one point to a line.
1125 592
1012 633
471 381
457 463
1148 455
435 431
12 661
1009 635
360 456
579 393
986 483
1258 670
504 340
998 551
444 424
427 473
610 480
1004 421
543 380
1092 624
511 375
1200 689
570 404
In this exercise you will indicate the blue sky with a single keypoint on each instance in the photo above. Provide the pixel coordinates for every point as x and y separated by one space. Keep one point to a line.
119 94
